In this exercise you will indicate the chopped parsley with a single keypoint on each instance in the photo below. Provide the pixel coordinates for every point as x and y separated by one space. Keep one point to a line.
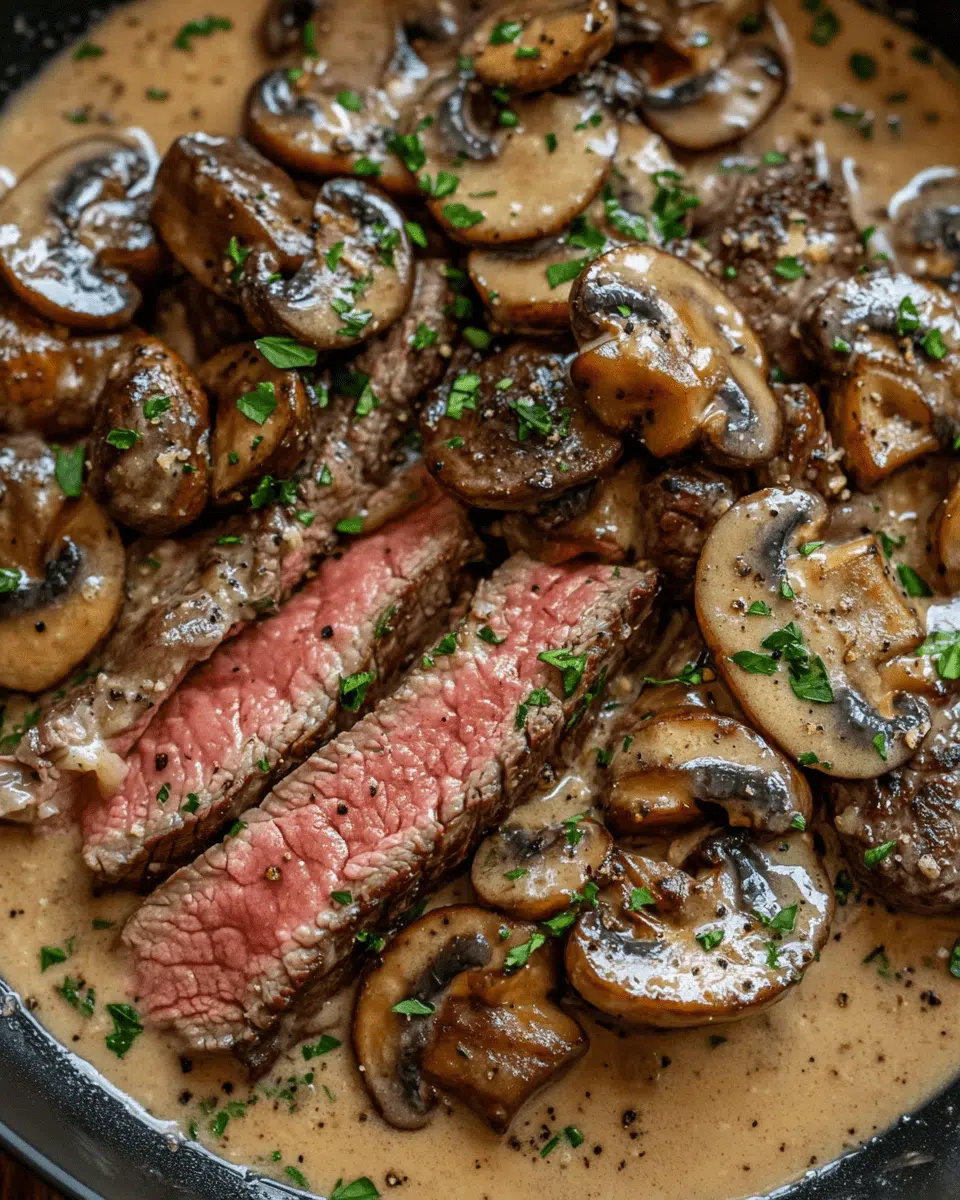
423 337
353 689
260 404
70 991
710 938
461 217
912 583
520 955
943 647
874 855
321 1047
789 268
286 353
538 698
126 1028
759 609
640 897
51 955
571 667
206 27
383 628
155 407
414 1008
486 634
505 32
122 439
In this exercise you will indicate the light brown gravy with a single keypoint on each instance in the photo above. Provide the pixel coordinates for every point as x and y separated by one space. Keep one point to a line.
664 1115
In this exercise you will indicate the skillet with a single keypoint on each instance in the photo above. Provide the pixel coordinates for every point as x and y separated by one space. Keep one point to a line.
85 1137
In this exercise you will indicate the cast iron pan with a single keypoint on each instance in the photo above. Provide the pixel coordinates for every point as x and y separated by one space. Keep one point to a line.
86 1138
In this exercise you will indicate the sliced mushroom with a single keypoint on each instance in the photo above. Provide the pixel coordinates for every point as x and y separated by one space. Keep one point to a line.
723 943
947 538
339 114
486 1035
601 518
802 631
926 223
683 759
61 569
262 421
886 341
212 190
541 43
532 872
663 351
509 431
524 287
50 381
490 174
357 279
75 233
807 456
150 444
283 24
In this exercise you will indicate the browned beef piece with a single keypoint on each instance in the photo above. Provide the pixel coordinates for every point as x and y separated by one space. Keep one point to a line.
796 211
383 812
678 508
186 596
808 457
918 808
198 323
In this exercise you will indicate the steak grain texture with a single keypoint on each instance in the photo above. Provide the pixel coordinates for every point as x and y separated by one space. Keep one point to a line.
266 699
251 931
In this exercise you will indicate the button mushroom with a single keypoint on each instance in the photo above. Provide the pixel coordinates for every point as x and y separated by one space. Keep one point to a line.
490 172
75 233
150 442
663 351
803 633
683 759
508 431
262 421
886 342
532 872
356 280
672 950
61 568
541 43
925 216
460 1001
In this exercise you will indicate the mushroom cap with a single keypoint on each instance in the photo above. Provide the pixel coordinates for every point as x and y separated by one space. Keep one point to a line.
684 758
452 960
645 966
563 38
71 565
811 674
507 184
247 447
157 480
925 216
532 872
663 351
75 232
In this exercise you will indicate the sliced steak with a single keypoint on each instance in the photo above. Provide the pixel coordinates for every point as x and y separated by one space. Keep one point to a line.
260 926
185 597
264 701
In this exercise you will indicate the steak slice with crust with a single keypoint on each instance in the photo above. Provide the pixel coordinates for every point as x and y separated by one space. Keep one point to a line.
264 701
187 596
259 928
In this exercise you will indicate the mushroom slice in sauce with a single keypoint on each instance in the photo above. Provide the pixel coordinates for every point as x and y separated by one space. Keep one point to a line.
725 942
527 287
262 421
802 631
925 216
895 385
664 352
75 233
283 22
509 431
683 759
357 279
556 39
532 872
489 172
476 1029
947 538
150 443
807 456
216 200
61 567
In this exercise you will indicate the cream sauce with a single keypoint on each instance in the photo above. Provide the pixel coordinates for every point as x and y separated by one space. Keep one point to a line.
666 1114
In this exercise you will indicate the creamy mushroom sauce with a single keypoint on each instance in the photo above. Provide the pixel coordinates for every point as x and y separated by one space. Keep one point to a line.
871 1032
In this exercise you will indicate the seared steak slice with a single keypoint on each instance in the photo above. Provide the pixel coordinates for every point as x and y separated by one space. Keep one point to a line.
678 508
265 924
186 596
264 701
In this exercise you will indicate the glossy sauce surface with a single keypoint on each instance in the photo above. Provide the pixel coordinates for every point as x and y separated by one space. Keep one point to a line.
869 1034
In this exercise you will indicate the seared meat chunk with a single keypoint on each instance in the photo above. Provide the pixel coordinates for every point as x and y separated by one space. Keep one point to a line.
678 508
807 455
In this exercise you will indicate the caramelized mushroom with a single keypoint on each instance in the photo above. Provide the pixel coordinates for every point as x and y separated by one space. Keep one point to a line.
721 944
683 759
262 421
508 431
490 173
554 40
61 568
357 279
663 351
75 233
532 872
803 633
150 443
460 1001
807 456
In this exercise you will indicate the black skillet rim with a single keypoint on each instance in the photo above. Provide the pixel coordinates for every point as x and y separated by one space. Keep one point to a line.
55 1109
